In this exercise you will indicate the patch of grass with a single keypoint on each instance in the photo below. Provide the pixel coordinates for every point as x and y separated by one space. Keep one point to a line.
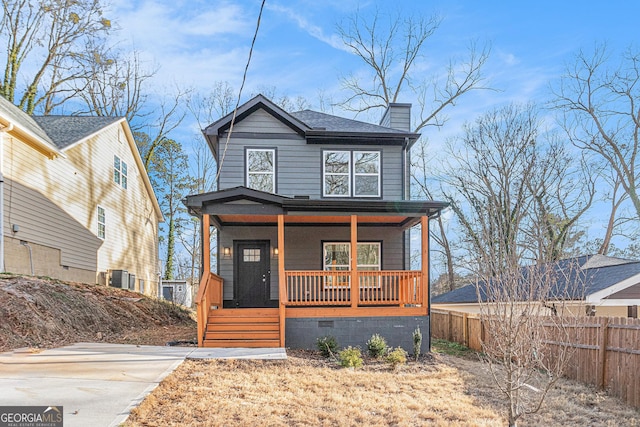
451 348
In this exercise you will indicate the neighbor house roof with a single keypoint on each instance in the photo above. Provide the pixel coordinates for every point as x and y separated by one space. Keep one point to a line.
596 277
65 131
24 124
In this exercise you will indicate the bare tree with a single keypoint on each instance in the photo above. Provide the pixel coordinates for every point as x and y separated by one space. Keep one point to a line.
44 41
524 312
512 190
390 48
600 103
114 84
206 108
516 203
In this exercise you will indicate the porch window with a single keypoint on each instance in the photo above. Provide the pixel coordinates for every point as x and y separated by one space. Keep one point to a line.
351 174
120 172
261 169
337 257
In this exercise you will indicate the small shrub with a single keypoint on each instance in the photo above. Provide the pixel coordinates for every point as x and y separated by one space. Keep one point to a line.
417 342
327 345
350 357
397 357
376 346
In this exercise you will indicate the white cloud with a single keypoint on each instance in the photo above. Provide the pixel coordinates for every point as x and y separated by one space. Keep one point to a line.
313 30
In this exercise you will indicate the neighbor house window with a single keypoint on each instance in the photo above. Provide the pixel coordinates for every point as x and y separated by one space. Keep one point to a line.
337 256
261 169
351 174
102 224
119 172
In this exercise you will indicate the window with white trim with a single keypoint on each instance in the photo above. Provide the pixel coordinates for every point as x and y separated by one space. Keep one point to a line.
119 172
337 256
366 173
102 223
351 174
261 169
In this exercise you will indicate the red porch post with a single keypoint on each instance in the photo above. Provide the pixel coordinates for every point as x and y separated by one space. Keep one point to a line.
424 279
282 280
355 285
206 244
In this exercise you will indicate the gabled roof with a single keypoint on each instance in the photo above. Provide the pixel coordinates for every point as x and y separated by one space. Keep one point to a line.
597 274
65 131
314 126
24 124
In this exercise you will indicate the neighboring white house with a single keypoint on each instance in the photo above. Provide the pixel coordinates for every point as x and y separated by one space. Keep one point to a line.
77 202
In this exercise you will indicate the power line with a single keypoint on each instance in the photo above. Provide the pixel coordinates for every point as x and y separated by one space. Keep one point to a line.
244 79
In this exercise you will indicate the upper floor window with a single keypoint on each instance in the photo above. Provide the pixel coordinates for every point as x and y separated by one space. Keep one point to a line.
119 172
102 223
261 169
351 174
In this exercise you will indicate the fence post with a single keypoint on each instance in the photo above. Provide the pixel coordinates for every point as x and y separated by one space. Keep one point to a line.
449 333
602 351
465 329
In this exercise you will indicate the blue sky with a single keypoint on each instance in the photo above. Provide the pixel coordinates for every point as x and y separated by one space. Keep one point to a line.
196 43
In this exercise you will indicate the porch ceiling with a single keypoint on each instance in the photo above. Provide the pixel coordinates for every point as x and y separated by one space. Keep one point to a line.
316 219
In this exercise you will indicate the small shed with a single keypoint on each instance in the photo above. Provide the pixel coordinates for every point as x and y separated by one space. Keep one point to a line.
177 291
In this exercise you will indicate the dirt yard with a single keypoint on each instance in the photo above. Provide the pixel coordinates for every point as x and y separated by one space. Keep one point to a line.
45 313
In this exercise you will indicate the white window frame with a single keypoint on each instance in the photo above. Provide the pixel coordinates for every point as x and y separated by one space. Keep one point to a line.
324 173
351 174
345 283
273 168
102 232
356 174
120 171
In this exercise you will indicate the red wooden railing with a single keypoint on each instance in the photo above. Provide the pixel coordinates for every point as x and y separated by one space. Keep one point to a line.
333 288
209 294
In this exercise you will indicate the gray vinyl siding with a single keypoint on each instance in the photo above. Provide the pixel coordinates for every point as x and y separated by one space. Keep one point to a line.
397 116
303 246
299 165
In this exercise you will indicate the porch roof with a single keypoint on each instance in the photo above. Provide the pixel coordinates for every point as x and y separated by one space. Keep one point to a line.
242 205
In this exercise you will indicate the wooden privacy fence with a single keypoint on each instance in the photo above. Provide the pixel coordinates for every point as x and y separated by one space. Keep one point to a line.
606 352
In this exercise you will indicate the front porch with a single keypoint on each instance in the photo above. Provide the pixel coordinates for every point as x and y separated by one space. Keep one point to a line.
336 294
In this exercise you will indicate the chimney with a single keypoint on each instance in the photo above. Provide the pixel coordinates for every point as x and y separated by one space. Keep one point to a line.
397 116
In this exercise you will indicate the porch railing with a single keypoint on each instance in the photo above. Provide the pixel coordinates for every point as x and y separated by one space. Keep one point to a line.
333 288
209 294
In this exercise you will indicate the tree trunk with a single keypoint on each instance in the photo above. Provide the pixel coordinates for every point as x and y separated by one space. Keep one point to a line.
171 242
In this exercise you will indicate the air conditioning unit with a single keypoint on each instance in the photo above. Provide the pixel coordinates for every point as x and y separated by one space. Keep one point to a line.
119 279
132 282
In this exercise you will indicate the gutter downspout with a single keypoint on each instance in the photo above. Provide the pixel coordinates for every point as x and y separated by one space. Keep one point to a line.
4 130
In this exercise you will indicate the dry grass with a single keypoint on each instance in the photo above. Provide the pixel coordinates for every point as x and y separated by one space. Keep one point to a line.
308 391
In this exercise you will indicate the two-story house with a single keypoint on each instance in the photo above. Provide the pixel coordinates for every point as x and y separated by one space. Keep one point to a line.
76 201
312 215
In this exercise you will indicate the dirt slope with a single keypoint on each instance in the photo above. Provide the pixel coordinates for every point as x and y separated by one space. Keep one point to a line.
42 312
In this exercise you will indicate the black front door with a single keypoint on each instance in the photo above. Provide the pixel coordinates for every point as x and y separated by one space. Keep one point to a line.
252 274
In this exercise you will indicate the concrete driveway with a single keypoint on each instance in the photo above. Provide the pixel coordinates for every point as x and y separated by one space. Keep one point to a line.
98 384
